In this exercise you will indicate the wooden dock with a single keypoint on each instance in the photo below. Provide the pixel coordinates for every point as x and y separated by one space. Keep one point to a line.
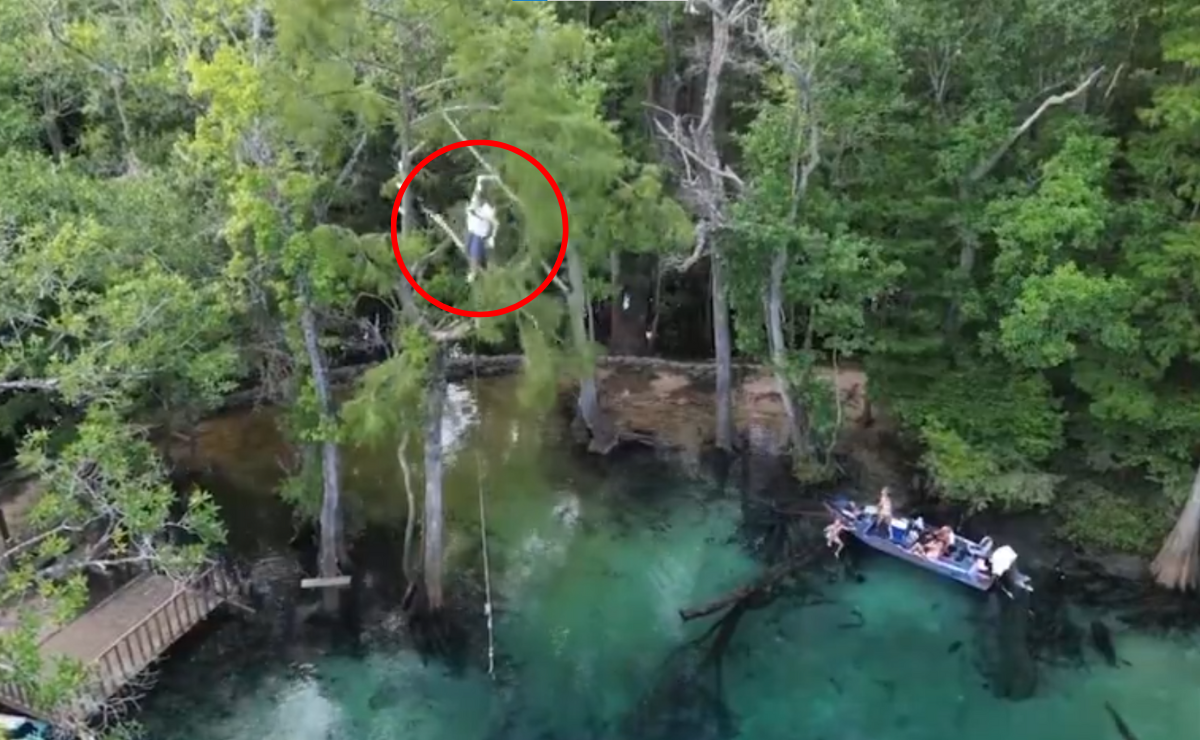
122 636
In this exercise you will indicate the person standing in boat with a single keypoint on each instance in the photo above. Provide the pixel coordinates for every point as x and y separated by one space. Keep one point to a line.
883 514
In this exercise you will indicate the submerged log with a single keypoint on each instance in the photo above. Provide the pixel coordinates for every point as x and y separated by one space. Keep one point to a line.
741 593
1016 675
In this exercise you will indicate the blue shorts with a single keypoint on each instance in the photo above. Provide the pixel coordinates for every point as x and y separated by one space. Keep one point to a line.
477 249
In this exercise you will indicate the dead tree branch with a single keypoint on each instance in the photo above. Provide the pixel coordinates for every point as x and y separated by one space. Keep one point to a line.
987 165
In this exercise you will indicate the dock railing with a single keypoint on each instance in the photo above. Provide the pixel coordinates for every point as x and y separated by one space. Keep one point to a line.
135 650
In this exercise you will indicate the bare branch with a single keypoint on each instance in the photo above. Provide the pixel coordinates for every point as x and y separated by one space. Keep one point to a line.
454 109
703 176
1113 82
348 169
33 384
676 137
479 158
323 208
441 222
453 333
983 168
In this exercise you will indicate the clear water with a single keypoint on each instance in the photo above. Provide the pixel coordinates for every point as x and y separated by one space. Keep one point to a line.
590 569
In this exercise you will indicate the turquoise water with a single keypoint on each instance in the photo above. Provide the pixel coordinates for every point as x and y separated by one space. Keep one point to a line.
589 570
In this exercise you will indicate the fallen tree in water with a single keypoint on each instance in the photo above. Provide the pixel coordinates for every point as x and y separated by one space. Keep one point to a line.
760 587
687 698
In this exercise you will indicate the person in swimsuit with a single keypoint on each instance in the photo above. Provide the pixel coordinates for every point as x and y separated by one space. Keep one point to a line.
833 536
883 516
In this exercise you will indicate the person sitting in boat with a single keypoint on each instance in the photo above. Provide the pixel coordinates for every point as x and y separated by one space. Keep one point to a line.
981 567
833 536
945 535
933 549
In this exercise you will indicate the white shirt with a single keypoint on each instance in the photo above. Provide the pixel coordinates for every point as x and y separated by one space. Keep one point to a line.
479 221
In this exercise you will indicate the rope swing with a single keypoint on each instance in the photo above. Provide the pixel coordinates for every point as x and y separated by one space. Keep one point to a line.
487 570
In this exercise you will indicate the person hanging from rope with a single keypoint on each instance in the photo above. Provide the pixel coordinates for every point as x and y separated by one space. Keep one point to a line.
481 228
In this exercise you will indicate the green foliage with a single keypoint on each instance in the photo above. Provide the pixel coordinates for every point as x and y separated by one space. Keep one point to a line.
1054 309
977 476
386 402
1094 516
987 430
105 501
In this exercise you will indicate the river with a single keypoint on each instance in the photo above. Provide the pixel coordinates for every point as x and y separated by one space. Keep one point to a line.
590 563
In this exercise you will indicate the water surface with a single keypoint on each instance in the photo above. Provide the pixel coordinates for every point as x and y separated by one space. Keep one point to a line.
589 569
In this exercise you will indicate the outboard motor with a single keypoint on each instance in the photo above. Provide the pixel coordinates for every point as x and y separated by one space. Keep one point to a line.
1002 559
1003 562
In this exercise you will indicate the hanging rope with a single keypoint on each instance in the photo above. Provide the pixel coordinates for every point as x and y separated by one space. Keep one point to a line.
487 570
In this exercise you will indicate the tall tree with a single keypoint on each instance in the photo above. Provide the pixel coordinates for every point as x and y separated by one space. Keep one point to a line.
705 183
276 153
835 85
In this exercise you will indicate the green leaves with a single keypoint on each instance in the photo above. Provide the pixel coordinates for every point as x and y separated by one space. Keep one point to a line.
1054 310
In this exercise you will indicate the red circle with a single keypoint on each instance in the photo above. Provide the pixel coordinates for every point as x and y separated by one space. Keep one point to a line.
562 249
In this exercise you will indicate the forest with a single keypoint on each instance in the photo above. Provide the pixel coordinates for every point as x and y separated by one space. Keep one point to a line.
993 209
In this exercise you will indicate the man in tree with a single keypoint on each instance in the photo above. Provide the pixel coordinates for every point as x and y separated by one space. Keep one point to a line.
481 228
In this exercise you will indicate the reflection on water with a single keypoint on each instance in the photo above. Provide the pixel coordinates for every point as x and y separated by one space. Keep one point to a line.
461 413
590 570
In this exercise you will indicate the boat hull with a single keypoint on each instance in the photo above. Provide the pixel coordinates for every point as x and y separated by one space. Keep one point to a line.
862 525
955 574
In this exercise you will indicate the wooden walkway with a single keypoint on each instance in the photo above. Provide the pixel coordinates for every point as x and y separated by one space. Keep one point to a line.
122 636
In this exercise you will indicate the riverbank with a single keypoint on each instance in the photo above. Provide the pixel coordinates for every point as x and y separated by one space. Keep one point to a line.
638 389
670 403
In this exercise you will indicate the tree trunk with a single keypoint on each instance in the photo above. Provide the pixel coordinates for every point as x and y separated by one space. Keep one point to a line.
777 341
1177 565
655 307
410 519
723 351
50 124
435 404
331 549
603 437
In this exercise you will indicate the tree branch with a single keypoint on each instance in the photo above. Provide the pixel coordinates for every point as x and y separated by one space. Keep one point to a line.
558 282
479 157
983 168
676 138
322 208
33 384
